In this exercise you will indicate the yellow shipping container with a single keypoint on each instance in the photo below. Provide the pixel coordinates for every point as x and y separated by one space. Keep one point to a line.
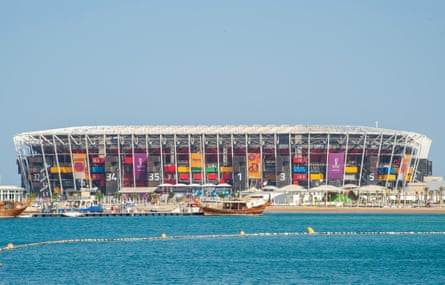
66 169
226 169
389 177
317 176
351 169
269 176
183 169
62 169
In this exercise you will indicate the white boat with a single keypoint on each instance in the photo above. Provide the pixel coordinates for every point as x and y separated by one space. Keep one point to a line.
165 209
73 214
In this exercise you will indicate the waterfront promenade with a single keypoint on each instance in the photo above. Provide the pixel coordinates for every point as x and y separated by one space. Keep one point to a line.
383 210
277 209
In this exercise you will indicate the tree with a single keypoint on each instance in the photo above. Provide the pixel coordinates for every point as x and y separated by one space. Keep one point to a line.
425 193
99 196
441 189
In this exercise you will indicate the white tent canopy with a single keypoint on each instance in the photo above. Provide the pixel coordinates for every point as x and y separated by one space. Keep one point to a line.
292 188
326 188
372 189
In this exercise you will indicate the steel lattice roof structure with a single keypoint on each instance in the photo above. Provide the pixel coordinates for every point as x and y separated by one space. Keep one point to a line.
421 140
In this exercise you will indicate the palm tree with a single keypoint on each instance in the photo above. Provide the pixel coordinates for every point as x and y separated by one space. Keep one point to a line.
441 189
425 192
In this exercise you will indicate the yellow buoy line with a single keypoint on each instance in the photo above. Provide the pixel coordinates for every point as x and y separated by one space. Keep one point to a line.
309 231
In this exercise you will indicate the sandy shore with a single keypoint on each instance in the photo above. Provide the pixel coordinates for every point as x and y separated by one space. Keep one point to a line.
319 209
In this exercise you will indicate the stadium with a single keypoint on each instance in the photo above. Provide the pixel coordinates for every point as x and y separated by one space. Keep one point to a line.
141 159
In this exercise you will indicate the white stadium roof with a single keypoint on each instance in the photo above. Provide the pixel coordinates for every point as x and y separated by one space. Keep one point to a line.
209 129
227 129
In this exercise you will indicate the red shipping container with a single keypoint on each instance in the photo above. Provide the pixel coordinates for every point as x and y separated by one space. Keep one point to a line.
300 160
97 176
169 168
212 176
300 176
98 160
226 175
184 176
197 176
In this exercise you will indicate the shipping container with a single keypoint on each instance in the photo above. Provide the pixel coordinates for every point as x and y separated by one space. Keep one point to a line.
269 176
62 169
351 169
97 169
98 160
98 176
350 176
212 176
317 176
226 169
211 169
299 176
386 170
183 169
300 160
299 169
196 169
387 177
184 176
169 168
226 175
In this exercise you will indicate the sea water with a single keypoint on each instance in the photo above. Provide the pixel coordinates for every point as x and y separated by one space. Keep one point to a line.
348 249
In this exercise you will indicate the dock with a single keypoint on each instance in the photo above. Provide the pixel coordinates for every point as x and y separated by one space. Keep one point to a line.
122 214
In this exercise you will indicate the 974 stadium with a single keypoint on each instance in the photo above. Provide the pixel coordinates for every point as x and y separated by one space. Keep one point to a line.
140 160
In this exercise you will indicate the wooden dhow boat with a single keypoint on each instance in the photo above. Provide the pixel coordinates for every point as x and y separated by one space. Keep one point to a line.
9 209
234 207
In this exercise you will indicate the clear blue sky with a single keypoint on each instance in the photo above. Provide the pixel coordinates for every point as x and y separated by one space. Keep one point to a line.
76 63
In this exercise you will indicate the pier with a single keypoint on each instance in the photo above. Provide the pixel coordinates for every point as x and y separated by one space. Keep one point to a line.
124 214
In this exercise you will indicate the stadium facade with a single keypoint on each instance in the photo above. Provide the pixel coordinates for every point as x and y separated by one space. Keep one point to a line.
115 158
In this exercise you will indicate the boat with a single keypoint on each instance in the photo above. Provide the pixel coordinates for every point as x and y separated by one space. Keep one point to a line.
73 214
234 207
9 208
78 206
165 209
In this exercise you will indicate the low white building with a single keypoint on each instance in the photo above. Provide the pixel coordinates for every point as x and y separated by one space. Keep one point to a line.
11 193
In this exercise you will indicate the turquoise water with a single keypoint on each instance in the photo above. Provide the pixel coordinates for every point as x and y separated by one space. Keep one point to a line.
267 259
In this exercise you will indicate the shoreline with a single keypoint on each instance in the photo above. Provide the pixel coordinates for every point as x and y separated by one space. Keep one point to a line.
346 210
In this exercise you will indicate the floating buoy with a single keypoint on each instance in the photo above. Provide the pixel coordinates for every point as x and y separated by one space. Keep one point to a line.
163 236
10 245
310 230
241 233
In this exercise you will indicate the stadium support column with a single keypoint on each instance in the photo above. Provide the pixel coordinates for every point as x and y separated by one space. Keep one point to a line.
346 158
327 161
218 164
45 166
391 160
133 164
309 160
246 174
289 165
204 158
190 158
72 161
119 161
161 143
175 156
59 175
363 157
